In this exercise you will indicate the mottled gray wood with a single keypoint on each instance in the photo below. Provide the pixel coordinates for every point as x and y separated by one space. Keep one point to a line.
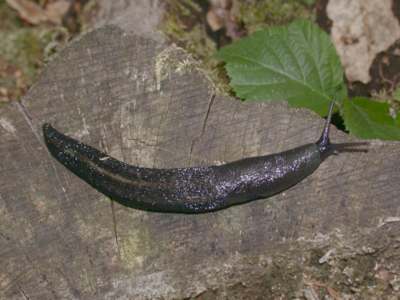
142 17
146 103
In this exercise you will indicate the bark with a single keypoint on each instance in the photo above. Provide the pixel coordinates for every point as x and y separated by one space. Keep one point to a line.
146 103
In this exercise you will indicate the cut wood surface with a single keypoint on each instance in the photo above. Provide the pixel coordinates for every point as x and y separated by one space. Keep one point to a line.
146 103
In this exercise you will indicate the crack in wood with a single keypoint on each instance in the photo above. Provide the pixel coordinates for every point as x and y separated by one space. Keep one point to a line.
196 139
115 227
21 290
24 112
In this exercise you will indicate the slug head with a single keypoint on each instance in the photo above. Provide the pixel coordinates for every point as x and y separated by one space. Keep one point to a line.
324 144
326 148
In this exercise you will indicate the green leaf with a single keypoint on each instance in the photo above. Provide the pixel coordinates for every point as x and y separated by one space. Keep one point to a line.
370 119
297 63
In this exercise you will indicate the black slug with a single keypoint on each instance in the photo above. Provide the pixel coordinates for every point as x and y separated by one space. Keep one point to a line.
189 190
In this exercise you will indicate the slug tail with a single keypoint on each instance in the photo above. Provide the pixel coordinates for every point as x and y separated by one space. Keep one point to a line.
324 145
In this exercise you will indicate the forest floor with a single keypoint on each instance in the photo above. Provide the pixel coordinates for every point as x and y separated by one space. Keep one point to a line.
32 31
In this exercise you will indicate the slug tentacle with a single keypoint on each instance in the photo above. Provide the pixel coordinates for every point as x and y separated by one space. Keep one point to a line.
324 144
189 190
326 148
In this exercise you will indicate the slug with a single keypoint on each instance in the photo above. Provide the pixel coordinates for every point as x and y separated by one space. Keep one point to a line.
195 189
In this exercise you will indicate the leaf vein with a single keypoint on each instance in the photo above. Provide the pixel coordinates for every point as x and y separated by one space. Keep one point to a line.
280 73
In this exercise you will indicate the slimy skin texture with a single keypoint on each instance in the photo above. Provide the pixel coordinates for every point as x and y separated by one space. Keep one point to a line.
183 190
188 190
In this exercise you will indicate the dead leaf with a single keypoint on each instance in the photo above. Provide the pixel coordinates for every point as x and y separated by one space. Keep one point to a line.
220 16
360 30
34 14
28 11
214 20
4 95
55 11
396 52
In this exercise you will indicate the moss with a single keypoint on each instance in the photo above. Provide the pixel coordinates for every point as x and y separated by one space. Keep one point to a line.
24 48
134 248
282 278
8 17
322 271
21 56
260 14
88 15
362 270
21 52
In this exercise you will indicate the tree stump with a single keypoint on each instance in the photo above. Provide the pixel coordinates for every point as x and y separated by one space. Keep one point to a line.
336 233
